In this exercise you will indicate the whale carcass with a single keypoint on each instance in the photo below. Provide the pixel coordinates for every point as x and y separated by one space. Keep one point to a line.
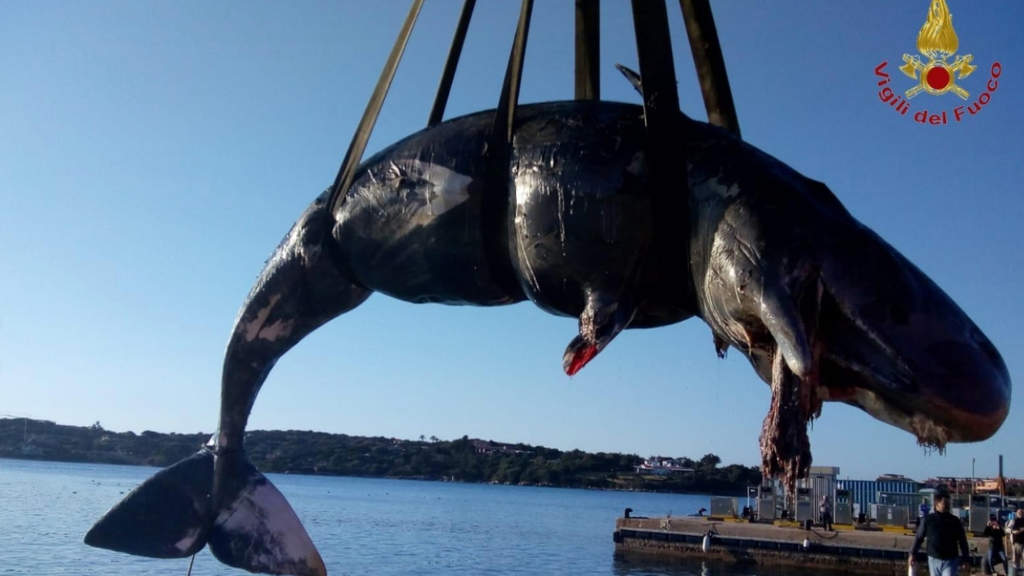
770 260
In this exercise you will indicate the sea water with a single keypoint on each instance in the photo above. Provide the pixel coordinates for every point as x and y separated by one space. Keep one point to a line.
360 525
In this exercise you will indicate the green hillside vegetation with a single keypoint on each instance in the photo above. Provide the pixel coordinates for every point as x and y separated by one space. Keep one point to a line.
301 452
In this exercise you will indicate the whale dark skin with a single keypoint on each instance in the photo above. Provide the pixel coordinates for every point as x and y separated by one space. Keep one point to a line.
822 307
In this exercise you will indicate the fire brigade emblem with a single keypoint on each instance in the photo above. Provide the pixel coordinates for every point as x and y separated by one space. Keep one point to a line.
937 41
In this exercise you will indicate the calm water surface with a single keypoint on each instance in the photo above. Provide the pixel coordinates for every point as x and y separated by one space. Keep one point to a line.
360 526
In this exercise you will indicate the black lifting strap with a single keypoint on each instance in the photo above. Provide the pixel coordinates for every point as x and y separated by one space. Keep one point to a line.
358 145
665 151
495 198
588 50
707 56
661 99
505 115
454 53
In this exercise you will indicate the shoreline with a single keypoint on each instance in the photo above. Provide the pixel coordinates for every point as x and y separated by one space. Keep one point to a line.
311 453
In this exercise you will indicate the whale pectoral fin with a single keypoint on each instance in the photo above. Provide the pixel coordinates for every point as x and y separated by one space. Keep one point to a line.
601 321
256 529
781 317
166 516
633 77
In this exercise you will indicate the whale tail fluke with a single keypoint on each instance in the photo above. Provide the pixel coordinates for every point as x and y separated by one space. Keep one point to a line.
249 524
166 516
255 528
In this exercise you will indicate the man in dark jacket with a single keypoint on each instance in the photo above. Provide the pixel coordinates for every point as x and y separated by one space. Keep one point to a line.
996 551
944 533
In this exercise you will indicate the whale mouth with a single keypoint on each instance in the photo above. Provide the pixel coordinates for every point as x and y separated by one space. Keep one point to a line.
901 351
937 377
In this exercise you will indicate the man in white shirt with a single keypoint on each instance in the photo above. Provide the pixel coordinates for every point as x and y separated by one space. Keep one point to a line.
1015 528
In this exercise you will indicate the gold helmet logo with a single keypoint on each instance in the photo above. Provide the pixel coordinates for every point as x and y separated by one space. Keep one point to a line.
937 42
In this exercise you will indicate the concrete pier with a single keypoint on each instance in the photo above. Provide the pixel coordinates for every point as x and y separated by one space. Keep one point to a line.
846 549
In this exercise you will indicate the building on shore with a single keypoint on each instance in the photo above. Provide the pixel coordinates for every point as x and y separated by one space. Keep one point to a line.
887 490
662 466
891 499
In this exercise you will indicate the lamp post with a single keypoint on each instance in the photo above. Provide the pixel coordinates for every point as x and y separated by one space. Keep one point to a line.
972 477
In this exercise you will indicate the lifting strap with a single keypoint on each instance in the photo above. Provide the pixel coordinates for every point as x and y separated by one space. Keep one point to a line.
358 145
454 53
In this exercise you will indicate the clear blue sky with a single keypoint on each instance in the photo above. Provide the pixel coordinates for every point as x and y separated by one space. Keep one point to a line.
152 154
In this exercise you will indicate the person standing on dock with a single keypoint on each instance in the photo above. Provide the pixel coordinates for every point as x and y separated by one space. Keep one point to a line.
944 533
996 554
825 509
1015 528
